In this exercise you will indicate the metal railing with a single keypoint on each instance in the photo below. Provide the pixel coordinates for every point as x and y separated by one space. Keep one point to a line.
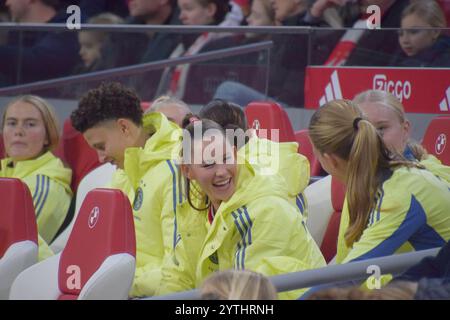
394 264
141 68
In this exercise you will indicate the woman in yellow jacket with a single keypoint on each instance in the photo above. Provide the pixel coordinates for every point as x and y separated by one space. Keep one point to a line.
272 157
234 217
387 114
392 205
30 132
142 147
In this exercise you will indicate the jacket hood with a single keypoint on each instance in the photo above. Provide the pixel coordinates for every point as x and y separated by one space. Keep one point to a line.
279 158
251 186
163 144
47 165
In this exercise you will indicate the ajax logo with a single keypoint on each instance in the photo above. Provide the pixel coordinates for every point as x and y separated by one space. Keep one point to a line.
441 141
93 217
400 89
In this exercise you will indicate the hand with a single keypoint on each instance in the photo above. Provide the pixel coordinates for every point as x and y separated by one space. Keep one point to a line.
320 6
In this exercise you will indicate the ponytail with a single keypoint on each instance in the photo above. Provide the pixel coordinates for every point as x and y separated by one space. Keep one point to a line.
366 157
340 128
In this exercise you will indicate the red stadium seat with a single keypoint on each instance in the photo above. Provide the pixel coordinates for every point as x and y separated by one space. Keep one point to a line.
2 148
98 261
269 115
305 148
437 139
80 157
18 232
445 5
145 105
329 242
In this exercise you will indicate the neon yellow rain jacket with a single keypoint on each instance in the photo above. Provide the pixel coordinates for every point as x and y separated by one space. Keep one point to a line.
150 178
434 165
411 214
49 184
257 229
282 159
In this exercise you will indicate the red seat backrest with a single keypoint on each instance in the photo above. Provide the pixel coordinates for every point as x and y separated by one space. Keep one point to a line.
445 5
329 242
269 115
104 227
145 105
437 139
17 216
77 154
2 148
305 148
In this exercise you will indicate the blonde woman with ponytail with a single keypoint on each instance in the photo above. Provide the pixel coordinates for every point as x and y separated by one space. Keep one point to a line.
393 205
387 114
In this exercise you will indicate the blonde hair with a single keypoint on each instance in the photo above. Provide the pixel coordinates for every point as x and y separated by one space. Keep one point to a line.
391 102
340 128
48 117
428 10
238 285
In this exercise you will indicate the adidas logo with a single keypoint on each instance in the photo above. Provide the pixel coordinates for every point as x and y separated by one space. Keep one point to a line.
445 103
332 90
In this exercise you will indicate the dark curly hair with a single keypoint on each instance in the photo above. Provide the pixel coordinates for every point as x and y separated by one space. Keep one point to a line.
110 101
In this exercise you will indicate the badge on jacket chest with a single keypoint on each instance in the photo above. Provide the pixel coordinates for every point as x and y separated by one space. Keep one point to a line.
137 203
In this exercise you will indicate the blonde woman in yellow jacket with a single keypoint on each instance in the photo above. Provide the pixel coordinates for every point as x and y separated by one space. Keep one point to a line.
387 114
30 132
234 218
142 147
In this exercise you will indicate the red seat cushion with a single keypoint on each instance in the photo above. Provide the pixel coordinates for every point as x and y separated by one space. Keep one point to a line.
270 115
17 218
437 139
104 227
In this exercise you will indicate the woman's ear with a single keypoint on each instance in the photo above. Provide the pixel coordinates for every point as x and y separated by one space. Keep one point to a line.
407 129
435 34
211 10
186 171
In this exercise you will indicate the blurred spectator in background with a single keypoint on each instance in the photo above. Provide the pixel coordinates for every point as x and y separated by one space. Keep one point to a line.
163 12
238 285
358 46
93 44
91 8
288 59
193 12
285 9
421 47
174 109
44 55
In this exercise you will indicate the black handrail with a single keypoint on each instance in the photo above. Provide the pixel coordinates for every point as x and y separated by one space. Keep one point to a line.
394 264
